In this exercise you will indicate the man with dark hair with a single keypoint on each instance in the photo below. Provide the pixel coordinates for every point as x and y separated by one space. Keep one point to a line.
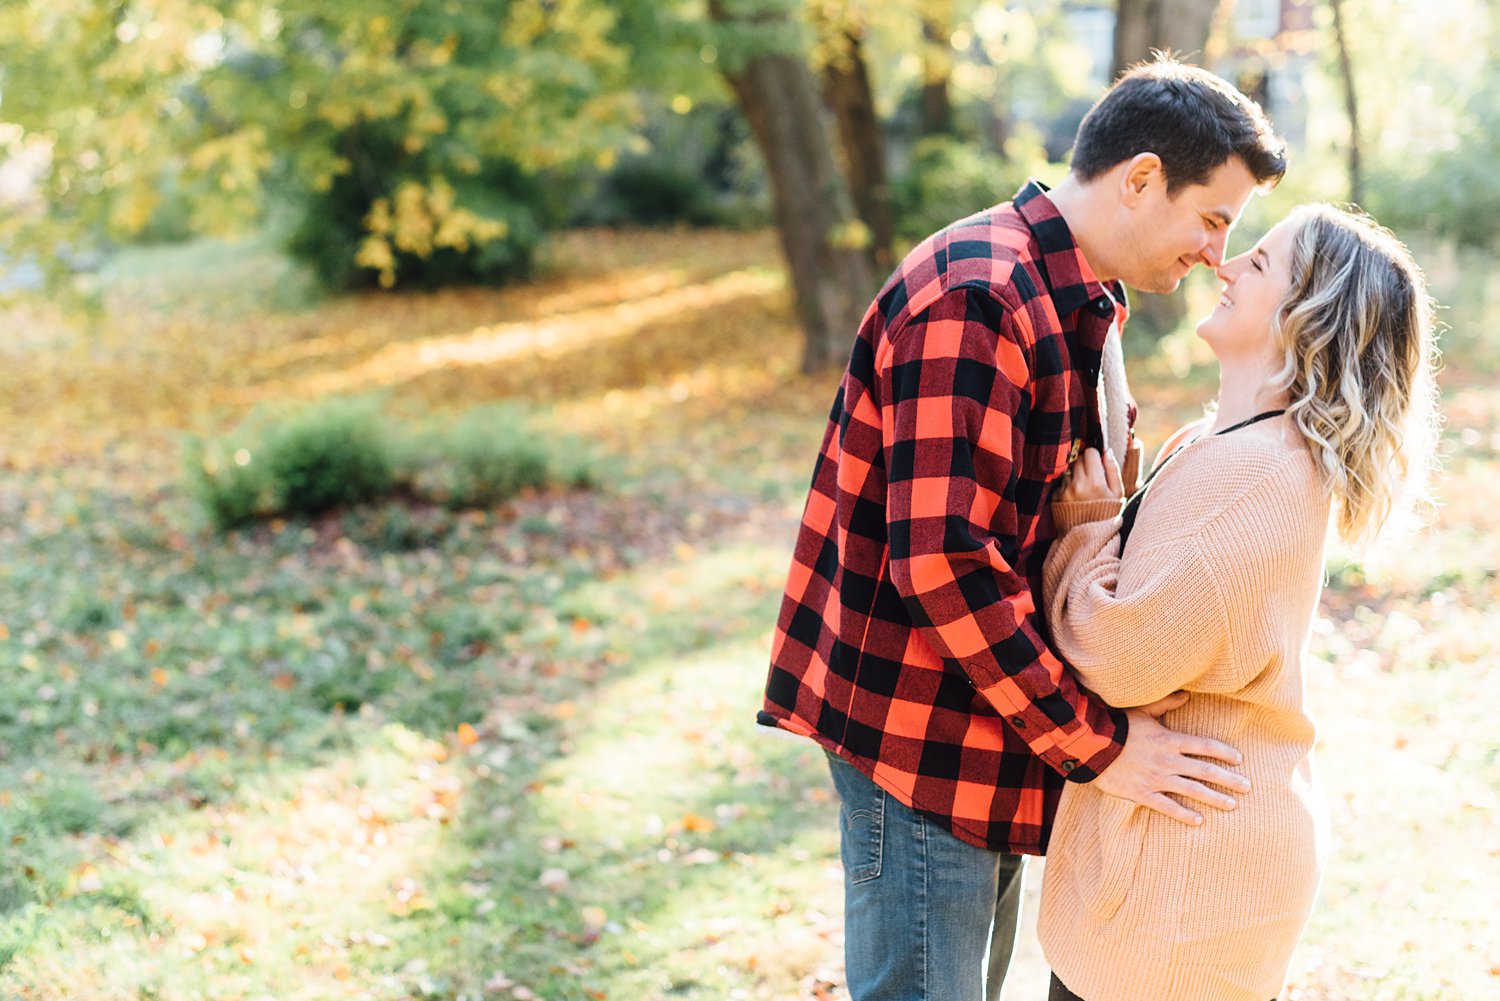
909 645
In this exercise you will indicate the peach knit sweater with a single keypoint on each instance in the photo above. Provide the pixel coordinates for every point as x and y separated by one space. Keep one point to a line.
1215 595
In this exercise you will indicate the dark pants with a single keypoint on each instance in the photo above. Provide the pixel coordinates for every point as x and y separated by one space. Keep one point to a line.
1061 993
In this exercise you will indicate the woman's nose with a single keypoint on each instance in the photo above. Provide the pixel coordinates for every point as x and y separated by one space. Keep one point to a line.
1230 269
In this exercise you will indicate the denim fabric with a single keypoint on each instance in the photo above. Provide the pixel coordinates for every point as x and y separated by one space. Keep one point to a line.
927 917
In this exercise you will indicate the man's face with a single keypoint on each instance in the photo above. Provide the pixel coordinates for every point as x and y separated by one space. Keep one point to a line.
1169 234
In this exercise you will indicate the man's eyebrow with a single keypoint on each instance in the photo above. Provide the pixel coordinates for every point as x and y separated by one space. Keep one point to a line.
1223 216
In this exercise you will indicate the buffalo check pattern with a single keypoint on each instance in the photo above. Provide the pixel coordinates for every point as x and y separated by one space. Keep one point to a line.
909 640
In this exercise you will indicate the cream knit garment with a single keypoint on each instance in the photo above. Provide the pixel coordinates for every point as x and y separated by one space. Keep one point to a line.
1114 412
1216 595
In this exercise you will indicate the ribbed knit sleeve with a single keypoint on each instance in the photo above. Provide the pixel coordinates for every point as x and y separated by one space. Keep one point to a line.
1192 606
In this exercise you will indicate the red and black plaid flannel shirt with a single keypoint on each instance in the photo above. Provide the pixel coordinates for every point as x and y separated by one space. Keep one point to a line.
909 641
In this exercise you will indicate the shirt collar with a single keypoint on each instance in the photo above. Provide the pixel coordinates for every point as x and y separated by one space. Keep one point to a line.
1070 280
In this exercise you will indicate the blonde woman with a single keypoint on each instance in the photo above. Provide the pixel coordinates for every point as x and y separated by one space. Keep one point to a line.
1206 582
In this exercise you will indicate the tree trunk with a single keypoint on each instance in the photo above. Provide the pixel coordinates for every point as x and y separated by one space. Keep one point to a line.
1181 27
832 280
847 92
1178 26
1351 102
936 108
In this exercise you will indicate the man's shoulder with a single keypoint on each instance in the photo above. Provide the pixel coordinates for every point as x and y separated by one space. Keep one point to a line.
990 253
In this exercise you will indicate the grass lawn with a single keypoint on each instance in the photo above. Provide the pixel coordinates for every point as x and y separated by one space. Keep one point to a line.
398 752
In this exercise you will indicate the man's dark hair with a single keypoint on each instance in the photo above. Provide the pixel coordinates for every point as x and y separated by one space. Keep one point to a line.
1192 119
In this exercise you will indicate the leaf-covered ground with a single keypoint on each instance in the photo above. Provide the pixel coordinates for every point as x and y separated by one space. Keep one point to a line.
403 753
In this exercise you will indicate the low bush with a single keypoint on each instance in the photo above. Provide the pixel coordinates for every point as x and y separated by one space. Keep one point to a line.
345 452
332 226
489 455
229 485
304 462
329 455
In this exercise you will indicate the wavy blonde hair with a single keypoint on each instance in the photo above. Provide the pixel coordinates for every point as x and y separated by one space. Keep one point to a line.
1357 329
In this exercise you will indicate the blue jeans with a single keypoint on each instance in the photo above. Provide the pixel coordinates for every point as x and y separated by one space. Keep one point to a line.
927 917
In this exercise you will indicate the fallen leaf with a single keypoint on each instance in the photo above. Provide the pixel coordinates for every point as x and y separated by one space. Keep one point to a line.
697 823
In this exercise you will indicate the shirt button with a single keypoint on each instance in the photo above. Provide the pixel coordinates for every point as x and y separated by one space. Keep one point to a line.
1069 765
1103 306
1020 722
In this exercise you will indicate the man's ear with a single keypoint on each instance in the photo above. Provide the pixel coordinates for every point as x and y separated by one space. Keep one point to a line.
1141 172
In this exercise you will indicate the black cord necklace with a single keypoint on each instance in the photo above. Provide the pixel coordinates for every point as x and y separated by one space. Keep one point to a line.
1262 416
1133 505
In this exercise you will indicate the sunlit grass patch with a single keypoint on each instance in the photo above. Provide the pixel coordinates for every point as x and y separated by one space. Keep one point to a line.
278 886
672 849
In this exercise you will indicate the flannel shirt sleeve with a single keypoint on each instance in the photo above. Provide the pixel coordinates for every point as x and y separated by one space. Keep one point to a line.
953 382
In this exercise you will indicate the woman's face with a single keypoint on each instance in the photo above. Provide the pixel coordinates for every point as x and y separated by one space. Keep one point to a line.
1255 285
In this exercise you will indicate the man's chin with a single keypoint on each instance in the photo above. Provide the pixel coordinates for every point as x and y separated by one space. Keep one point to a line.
1158 285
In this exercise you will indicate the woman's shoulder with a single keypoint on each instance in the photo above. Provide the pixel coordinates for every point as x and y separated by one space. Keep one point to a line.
1266 448
1181 437
1215 476
1276 449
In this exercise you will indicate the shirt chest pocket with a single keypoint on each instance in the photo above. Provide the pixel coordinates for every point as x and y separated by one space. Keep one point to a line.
1053 440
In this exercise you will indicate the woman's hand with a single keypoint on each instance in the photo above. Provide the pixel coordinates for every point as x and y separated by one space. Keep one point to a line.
1091 478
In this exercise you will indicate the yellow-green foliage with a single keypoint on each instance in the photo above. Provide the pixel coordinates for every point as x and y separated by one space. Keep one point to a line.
411 103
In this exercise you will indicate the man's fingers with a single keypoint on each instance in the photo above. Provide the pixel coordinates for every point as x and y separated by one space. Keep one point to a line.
1203 771
1206 747
1164 804
1200 792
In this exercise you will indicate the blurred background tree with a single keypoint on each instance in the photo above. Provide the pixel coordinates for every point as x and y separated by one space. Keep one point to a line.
403 141
429 142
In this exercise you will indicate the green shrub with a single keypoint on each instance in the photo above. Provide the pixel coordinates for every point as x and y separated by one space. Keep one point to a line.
488 456
330 226
232 488
345 452
304 462
329 455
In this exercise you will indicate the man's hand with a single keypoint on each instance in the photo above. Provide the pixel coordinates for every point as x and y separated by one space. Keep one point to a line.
1090 478
1157 761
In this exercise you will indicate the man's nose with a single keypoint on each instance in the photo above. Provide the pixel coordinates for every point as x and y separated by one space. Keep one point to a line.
1213 251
